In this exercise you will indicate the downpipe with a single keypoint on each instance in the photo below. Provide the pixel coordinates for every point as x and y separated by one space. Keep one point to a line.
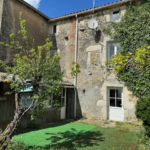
75 78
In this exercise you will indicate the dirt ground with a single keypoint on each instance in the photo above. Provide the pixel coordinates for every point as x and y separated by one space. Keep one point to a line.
112 124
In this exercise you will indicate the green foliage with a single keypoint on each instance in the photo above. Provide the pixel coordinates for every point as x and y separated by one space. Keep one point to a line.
143 140
57 104
75 69
143 111
94 63
34 64
133 33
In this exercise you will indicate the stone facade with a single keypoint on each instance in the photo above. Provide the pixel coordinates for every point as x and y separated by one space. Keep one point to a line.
92 49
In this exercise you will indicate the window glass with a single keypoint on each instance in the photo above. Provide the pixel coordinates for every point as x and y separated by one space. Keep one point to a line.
63 92
112 102
118 47
115 97
115 16
112 93
113 49
25 101
118 103
118 93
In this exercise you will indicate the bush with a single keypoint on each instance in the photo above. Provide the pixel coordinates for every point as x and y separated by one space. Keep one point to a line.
143 141
143 112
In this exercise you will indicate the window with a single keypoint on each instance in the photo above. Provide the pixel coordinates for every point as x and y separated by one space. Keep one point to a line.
54 29
115 16
1 89
63 96
113 49
26 100
115 97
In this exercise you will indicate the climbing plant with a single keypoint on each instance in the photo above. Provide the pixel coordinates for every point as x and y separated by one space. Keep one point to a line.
132 64
133 33
75 69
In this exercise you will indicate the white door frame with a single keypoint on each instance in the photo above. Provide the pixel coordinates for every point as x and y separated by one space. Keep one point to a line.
108 102
63 109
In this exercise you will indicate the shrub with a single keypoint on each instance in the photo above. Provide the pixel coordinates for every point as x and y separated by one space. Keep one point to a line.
143 112
143 140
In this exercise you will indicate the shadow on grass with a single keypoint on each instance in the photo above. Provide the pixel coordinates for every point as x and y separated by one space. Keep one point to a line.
21 131
74 139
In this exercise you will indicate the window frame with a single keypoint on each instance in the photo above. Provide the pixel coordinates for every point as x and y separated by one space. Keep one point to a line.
113 14
54 26
108 48
117 88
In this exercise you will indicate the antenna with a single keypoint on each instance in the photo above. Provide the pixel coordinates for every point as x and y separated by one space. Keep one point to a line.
93 6
92 23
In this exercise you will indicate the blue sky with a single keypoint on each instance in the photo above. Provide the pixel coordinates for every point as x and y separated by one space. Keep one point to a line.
54 8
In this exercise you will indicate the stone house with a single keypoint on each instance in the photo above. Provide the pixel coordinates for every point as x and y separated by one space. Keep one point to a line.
86 95
76 42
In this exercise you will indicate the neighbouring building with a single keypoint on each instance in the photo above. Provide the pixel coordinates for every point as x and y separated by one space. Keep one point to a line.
86 95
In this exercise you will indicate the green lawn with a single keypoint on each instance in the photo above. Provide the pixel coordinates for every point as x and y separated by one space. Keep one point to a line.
79 136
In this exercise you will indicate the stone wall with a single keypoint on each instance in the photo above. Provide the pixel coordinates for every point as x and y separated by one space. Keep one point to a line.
36 25
92 49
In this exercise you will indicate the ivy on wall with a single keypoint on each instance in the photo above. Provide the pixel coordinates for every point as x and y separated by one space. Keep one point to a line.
132 32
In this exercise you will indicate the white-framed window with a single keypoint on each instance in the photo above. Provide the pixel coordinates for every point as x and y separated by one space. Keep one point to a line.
26 100
115 97
50 102
113 49
63 96
54 29
115 16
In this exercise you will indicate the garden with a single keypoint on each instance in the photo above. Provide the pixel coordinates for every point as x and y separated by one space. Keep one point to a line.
79 135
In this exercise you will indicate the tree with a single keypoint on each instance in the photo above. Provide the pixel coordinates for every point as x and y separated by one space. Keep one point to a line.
132 64
36 65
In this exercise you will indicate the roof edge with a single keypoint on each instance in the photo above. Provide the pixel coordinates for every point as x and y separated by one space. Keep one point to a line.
34 9
88 10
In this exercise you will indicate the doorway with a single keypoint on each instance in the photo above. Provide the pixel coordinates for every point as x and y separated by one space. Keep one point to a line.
115 102
67 100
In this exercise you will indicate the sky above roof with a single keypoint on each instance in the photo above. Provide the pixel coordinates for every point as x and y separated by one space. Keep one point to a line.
55 8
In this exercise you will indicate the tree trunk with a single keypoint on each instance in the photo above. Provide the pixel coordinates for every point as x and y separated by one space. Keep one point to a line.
5 136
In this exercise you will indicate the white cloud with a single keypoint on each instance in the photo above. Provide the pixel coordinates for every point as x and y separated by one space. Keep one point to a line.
34 3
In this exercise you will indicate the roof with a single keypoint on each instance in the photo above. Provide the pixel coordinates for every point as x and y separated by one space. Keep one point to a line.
90 10
66 83
73 13
34 9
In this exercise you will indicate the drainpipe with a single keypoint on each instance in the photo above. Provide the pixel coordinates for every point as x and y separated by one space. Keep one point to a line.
75 79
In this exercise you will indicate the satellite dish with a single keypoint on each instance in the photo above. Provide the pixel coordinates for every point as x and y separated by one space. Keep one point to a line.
92 24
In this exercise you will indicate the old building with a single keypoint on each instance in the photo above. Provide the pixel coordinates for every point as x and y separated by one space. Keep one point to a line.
37 26
88 94
76 42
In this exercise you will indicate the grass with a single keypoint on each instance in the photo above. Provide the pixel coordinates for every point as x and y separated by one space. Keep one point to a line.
80 136
127 126
53 136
